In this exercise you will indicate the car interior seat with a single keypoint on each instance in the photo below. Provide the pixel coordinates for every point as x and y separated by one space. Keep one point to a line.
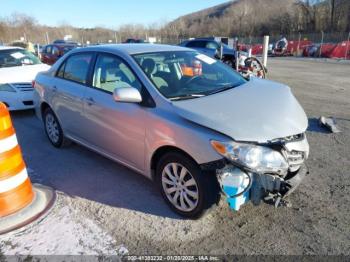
150 68
109 77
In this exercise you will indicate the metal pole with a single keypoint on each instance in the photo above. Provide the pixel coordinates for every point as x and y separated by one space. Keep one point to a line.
298 43
265 49
38 50
347 47
47 38
221 51
115 37
236 54
322 36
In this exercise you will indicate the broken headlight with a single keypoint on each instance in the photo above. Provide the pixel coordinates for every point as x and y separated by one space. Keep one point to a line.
259 159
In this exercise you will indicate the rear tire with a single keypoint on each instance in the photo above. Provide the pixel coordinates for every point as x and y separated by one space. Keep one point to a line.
185 187
53 129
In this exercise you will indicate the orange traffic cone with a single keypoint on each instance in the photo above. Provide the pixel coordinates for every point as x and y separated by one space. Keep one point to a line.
15 187
19 202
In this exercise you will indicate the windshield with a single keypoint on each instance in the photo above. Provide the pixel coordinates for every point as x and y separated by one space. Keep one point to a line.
187 74
17 57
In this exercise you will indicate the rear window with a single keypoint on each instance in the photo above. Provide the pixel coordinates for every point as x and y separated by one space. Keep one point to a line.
198 44
76 68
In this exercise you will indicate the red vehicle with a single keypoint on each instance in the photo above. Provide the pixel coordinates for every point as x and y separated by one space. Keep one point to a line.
51 53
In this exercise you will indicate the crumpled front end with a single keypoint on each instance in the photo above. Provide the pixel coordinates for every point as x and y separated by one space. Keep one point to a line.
241 184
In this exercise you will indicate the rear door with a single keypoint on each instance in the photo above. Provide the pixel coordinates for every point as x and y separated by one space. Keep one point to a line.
45 55
55 55
114 128
69 88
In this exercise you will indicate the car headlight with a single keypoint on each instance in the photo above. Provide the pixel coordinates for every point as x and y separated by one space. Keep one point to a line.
260 159
6 88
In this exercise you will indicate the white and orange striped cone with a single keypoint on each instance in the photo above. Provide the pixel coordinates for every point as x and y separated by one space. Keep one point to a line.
20 202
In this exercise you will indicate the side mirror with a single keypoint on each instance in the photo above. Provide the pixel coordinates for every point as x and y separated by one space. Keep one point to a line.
219 52
127 95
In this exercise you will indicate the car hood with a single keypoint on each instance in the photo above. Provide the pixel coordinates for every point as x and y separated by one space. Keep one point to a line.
19 74
257 111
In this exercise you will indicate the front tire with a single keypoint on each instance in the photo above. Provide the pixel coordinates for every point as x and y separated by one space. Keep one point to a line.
53 129
186 189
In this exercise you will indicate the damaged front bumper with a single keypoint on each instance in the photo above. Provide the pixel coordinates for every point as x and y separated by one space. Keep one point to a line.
239 185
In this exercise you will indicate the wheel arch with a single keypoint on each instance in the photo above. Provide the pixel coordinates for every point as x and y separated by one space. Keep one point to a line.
164 150
43 107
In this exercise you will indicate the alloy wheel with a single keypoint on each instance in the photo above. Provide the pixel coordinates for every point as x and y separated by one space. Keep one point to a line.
180 187
52 128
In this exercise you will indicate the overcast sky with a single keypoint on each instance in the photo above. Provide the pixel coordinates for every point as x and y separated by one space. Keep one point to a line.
109 13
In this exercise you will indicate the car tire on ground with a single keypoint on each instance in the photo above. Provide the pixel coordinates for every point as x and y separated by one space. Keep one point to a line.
53 129
188 190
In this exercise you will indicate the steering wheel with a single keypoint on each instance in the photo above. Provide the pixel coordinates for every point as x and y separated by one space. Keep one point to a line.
192 79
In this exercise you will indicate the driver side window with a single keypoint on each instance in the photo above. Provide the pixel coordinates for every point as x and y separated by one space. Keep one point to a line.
111 72
212 45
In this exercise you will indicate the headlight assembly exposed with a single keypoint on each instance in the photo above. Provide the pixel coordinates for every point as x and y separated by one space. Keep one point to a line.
234 181
6 88
260 159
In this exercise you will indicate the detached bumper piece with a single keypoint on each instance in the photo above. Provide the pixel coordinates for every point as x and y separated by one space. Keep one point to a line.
240 186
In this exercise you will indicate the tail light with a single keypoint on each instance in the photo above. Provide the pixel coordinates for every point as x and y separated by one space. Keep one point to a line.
33 83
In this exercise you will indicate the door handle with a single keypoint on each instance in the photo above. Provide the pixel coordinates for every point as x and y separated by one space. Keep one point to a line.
54 89
90 101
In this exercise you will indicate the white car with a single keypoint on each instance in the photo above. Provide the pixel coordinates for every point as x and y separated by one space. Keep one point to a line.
18 68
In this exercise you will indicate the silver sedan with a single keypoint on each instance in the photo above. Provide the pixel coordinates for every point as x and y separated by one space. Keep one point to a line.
181 118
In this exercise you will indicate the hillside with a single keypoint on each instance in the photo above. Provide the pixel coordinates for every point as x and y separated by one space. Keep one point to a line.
258 17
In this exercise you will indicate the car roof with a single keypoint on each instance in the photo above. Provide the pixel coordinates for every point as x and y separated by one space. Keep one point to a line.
9 47
202 39
133 49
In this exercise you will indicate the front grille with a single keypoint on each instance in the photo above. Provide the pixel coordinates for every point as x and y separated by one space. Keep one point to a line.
23 86
295 159
288 139
296 151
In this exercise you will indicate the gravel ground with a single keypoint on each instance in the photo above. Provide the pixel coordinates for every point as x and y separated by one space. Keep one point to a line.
62 231
128 208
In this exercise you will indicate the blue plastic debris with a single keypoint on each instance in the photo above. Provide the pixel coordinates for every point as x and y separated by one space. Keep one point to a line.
235 184
235 202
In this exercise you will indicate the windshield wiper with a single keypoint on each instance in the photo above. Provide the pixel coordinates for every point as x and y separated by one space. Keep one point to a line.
227 87
187 96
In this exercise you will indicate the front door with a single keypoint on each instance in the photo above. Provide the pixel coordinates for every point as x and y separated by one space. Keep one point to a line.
115 128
